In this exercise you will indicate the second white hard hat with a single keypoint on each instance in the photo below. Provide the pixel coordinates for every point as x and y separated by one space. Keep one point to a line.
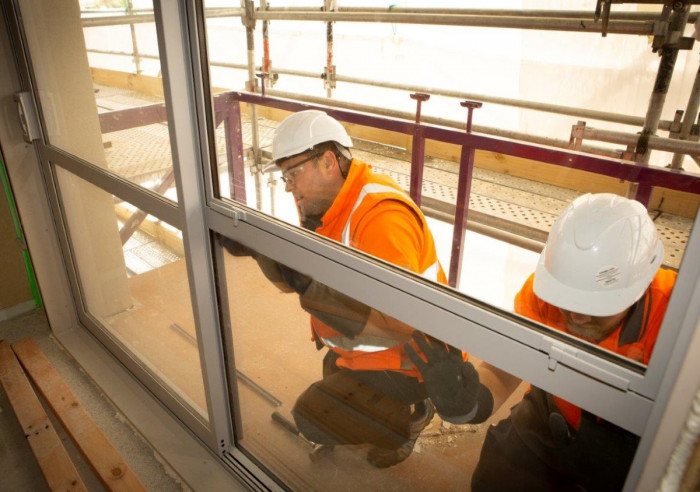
303 130
600 256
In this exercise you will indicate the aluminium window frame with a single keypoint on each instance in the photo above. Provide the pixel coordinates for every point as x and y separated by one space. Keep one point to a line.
499 339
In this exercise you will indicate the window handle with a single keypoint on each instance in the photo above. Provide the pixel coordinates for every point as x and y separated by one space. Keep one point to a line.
569 356
27 116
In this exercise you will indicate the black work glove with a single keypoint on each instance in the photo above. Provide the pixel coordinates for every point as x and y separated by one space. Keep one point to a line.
452 383
598 456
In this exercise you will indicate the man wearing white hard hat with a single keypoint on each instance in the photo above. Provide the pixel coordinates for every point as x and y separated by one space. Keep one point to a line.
370 391
599 278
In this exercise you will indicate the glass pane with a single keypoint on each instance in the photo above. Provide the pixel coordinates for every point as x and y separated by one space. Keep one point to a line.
133 279
514 201
516 188
277 362
365 421
101 94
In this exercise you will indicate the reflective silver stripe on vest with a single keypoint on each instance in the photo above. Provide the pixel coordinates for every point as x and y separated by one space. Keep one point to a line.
362 344
430 273
347 345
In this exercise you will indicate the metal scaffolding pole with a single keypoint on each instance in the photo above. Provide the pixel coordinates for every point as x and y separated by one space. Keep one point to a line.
655 143
267 63
147 15
513 135
689 117
556 14
329 73
504 101
535 23
518 103
134 43
267 79
669 54
256 168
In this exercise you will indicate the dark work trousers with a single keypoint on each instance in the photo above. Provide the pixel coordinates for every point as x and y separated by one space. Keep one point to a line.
506 464
358 407
519 454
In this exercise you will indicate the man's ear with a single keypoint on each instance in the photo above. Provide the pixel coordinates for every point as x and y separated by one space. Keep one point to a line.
329 161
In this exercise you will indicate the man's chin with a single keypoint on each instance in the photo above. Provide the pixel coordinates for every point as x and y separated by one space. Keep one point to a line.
583 334
311 222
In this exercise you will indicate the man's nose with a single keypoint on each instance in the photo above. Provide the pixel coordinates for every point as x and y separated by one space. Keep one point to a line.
288 186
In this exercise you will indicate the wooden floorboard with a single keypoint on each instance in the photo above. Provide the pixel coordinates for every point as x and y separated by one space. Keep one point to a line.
105 460
51 455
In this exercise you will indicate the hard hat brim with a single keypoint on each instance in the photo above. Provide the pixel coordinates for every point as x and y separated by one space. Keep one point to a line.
270 167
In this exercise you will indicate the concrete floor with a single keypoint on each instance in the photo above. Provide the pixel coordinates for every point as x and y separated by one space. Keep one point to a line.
19 467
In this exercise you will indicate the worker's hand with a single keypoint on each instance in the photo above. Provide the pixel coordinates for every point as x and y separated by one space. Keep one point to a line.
598 455
234 247
451 382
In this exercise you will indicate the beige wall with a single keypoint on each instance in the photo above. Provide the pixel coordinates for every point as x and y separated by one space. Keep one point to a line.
14 287
30 195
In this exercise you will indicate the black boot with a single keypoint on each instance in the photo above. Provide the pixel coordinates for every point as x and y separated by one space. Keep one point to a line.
420 418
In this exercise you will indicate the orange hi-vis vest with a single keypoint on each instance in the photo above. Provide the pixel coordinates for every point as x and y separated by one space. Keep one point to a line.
634 338
373 214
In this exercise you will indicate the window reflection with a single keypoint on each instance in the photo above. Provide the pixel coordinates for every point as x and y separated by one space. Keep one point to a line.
134 283
319 418
290 381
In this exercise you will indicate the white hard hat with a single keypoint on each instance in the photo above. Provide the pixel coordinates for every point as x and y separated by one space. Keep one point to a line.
600 256
303 130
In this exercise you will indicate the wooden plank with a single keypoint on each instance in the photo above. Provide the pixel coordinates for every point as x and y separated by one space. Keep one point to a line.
573 179
53 459
115 78
675 202
105 460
